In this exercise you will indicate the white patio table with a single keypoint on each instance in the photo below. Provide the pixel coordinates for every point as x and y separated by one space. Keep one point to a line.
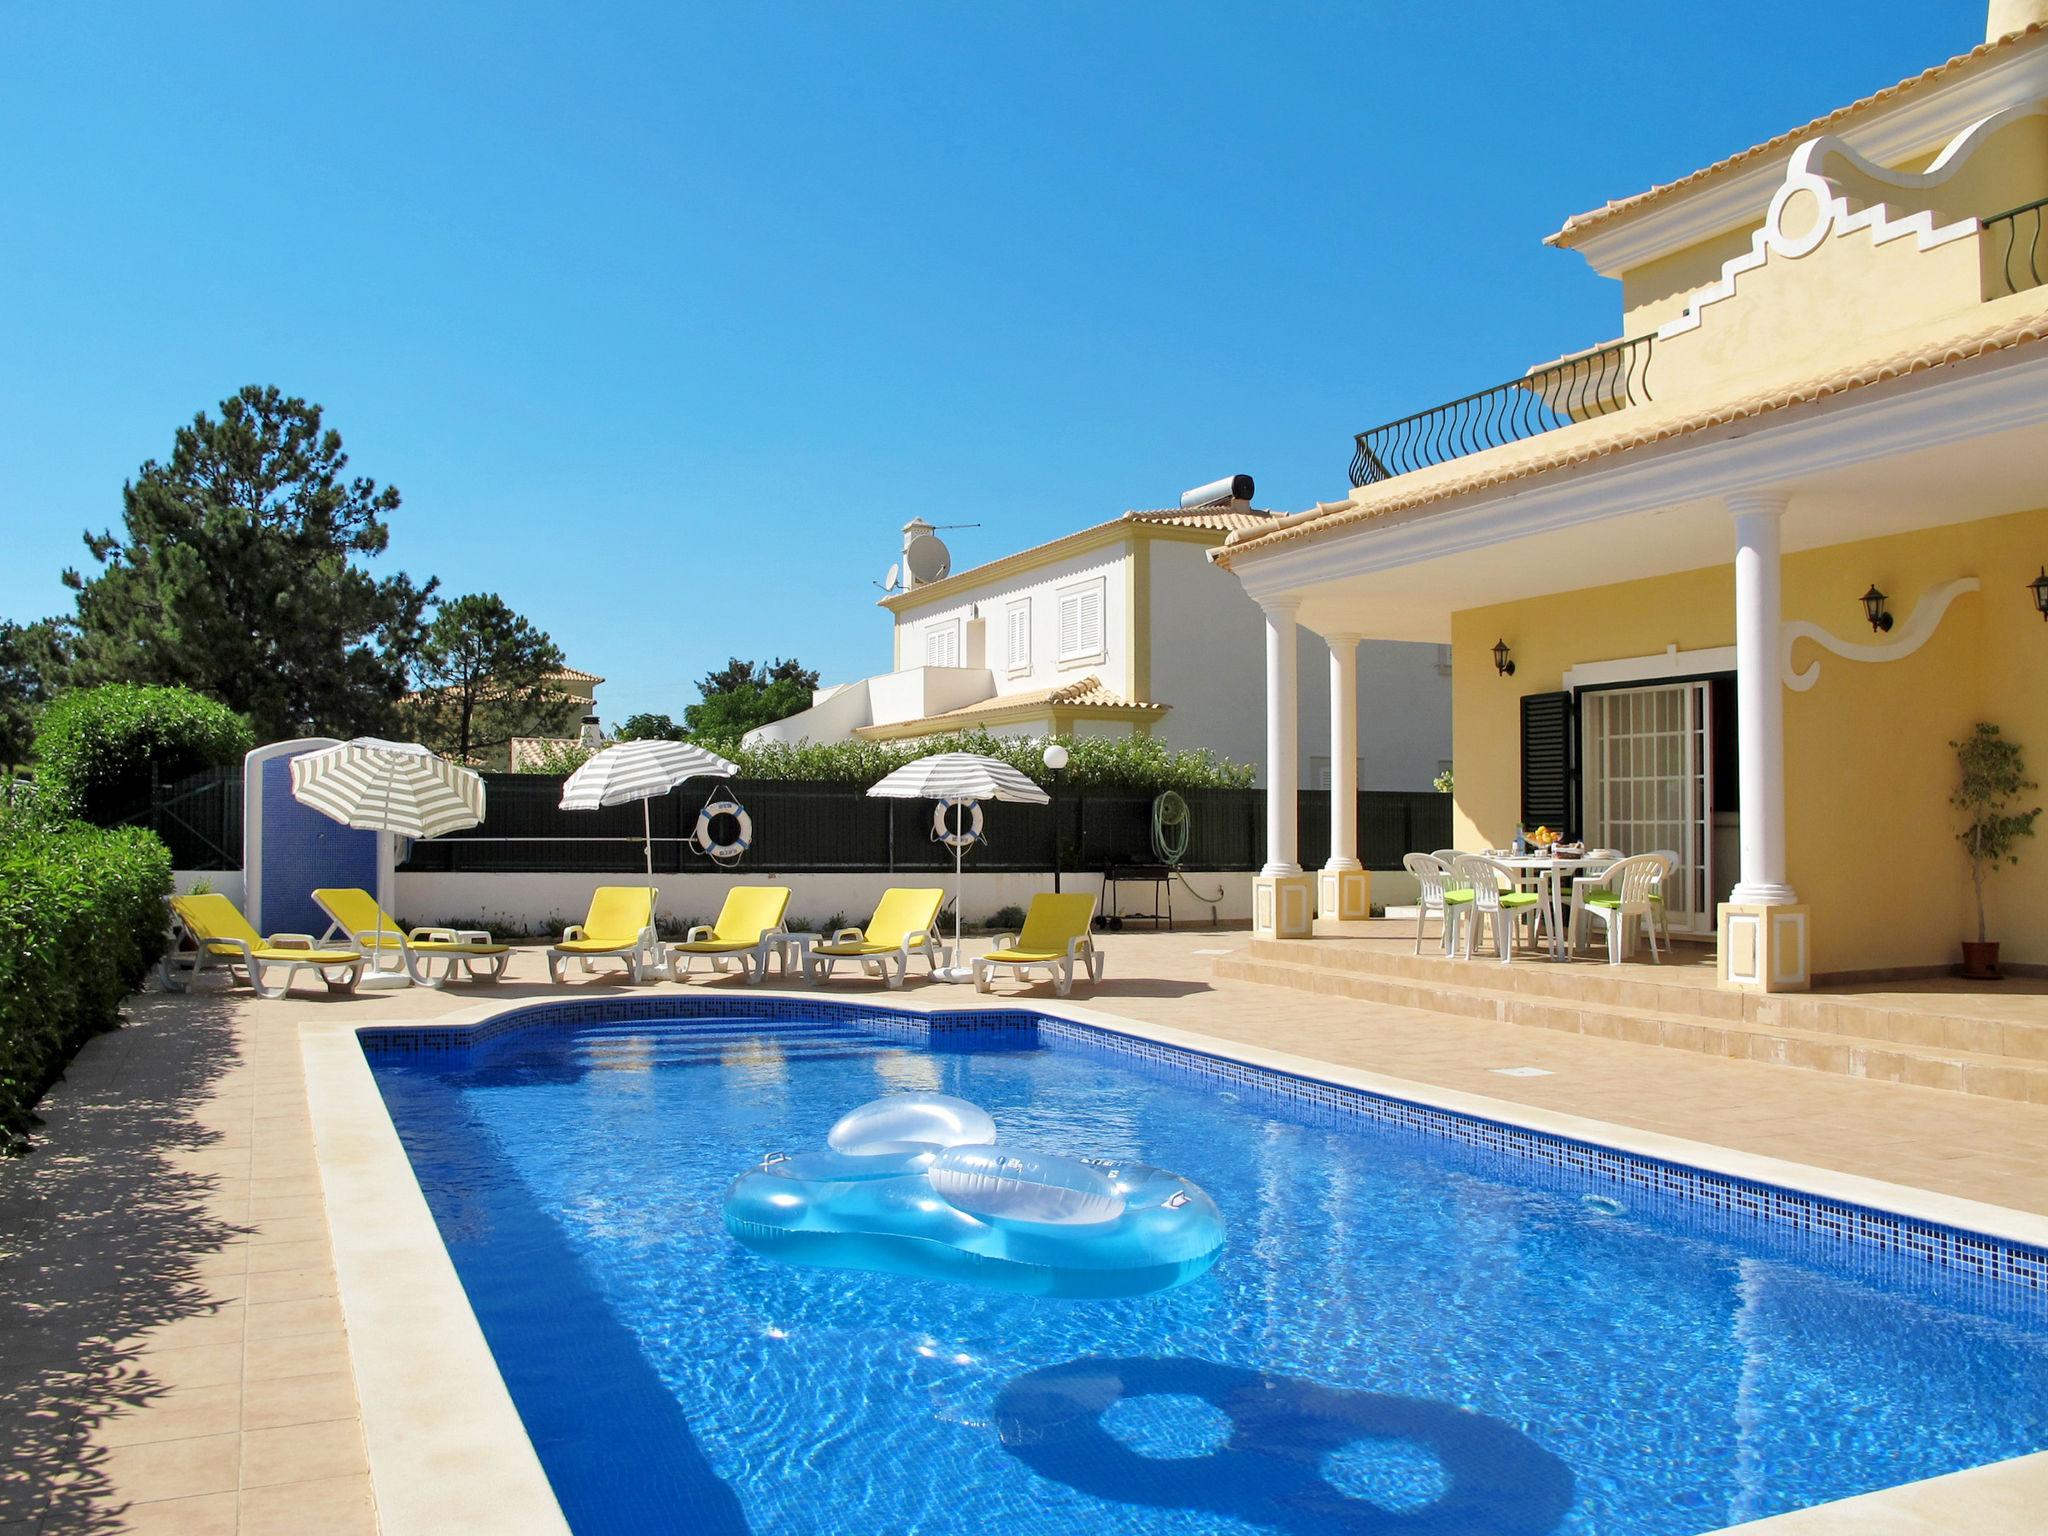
1548 875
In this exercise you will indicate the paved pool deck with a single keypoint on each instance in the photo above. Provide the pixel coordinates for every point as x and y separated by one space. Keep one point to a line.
173 1351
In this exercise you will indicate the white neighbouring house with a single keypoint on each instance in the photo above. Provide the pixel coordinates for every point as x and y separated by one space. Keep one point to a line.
1125 627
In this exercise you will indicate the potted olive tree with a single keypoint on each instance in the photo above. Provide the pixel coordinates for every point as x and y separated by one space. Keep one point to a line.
1994 776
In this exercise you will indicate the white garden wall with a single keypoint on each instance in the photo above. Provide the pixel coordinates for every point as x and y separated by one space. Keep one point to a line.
542 902
535 903
222 882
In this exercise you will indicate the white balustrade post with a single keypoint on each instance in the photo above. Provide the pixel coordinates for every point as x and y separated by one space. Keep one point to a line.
1283 761
1343 890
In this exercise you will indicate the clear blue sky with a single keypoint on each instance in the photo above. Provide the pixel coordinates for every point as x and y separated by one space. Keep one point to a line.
664 317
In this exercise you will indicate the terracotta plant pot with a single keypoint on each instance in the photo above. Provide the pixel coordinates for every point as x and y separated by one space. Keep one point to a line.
1980 961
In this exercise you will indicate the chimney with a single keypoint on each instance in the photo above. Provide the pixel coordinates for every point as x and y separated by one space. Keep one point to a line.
590 735
2009 16
916 528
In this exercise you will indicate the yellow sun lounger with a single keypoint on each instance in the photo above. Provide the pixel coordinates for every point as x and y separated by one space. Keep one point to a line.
221 936
1055 940
749 925
901 927
620 927
358 920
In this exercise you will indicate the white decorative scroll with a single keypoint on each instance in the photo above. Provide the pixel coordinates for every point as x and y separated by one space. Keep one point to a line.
1917 629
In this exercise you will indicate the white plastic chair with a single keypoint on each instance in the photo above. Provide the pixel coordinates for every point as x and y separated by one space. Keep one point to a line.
1440 894
1625 891
1658 899
1495 903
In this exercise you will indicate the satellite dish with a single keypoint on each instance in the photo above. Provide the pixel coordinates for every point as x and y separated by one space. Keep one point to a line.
928 559
889 578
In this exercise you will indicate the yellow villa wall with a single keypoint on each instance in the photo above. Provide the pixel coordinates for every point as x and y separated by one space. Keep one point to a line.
2006 170
1870 844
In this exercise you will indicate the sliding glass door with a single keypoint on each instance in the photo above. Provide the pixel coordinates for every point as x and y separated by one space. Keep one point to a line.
1649 787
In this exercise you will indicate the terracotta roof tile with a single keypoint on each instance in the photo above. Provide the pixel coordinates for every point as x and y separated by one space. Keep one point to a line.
1221 518
1216 518
1406 492
1083 693
1579 223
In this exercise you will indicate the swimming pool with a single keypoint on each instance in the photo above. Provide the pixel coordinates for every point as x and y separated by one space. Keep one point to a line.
1419 1323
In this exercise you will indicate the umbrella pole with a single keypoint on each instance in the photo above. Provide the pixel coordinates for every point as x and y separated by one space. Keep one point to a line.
956 971
378 962
647 843
378 976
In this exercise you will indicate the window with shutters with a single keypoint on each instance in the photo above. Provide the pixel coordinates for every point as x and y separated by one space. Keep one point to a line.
1017 624
1081 622
942 644
1550 790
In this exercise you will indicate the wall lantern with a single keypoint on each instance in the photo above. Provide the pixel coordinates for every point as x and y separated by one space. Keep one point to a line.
2039 587
1873 610
1503 662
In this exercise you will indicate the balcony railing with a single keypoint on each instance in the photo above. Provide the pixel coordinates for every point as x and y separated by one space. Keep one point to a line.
2015 240
1595 383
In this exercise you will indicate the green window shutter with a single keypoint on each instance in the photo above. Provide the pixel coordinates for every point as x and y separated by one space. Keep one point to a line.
1550 777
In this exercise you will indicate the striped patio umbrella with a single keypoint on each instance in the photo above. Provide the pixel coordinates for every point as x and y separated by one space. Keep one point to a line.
388 786
643 771
963 779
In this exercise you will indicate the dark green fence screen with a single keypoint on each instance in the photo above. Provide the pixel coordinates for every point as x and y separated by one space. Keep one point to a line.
805 827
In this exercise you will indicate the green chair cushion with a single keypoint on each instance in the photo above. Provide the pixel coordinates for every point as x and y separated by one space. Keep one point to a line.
1519 898
1603 898
1453 897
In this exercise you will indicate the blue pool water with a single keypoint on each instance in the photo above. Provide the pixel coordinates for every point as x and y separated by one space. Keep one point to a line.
1398 1338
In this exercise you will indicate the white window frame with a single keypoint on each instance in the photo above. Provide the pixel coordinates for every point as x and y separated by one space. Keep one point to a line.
1015 661
950 630
1083 653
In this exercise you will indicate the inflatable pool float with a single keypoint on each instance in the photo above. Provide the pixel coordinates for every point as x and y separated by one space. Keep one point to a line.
917 1184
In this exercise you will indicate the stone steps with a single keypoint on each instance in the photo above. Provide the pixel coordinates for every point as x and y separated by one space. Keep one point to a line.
1711 1028
1814 1012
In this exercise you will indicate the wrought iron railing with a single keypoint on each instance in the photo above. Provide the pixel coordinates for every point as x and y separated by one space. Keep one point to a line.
1595 383
2015 238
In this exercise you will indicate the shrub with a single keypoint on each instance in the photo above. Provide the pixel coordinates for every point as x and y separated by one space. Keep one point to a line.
557 757
1093 762
1006 919
81 921
95 746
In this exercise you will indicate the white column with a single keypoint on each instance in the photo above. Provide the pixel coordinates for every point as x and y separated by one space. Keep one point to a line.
1760 698
1283 766
1343 752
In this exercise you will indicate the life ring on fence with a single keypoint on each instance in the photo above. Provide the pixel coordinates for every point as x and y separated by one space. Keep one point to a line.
942 826
732 850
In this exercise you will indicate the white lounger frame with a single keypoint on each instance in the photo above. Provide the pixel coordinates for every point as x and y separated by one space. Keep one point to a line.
877 966
1080 951
642 957
420 967
178 967
752 961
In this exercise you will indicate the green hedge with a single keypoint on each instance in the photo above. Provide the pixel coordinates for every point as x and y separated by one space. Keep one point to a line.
1094 762
81 922
95 746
